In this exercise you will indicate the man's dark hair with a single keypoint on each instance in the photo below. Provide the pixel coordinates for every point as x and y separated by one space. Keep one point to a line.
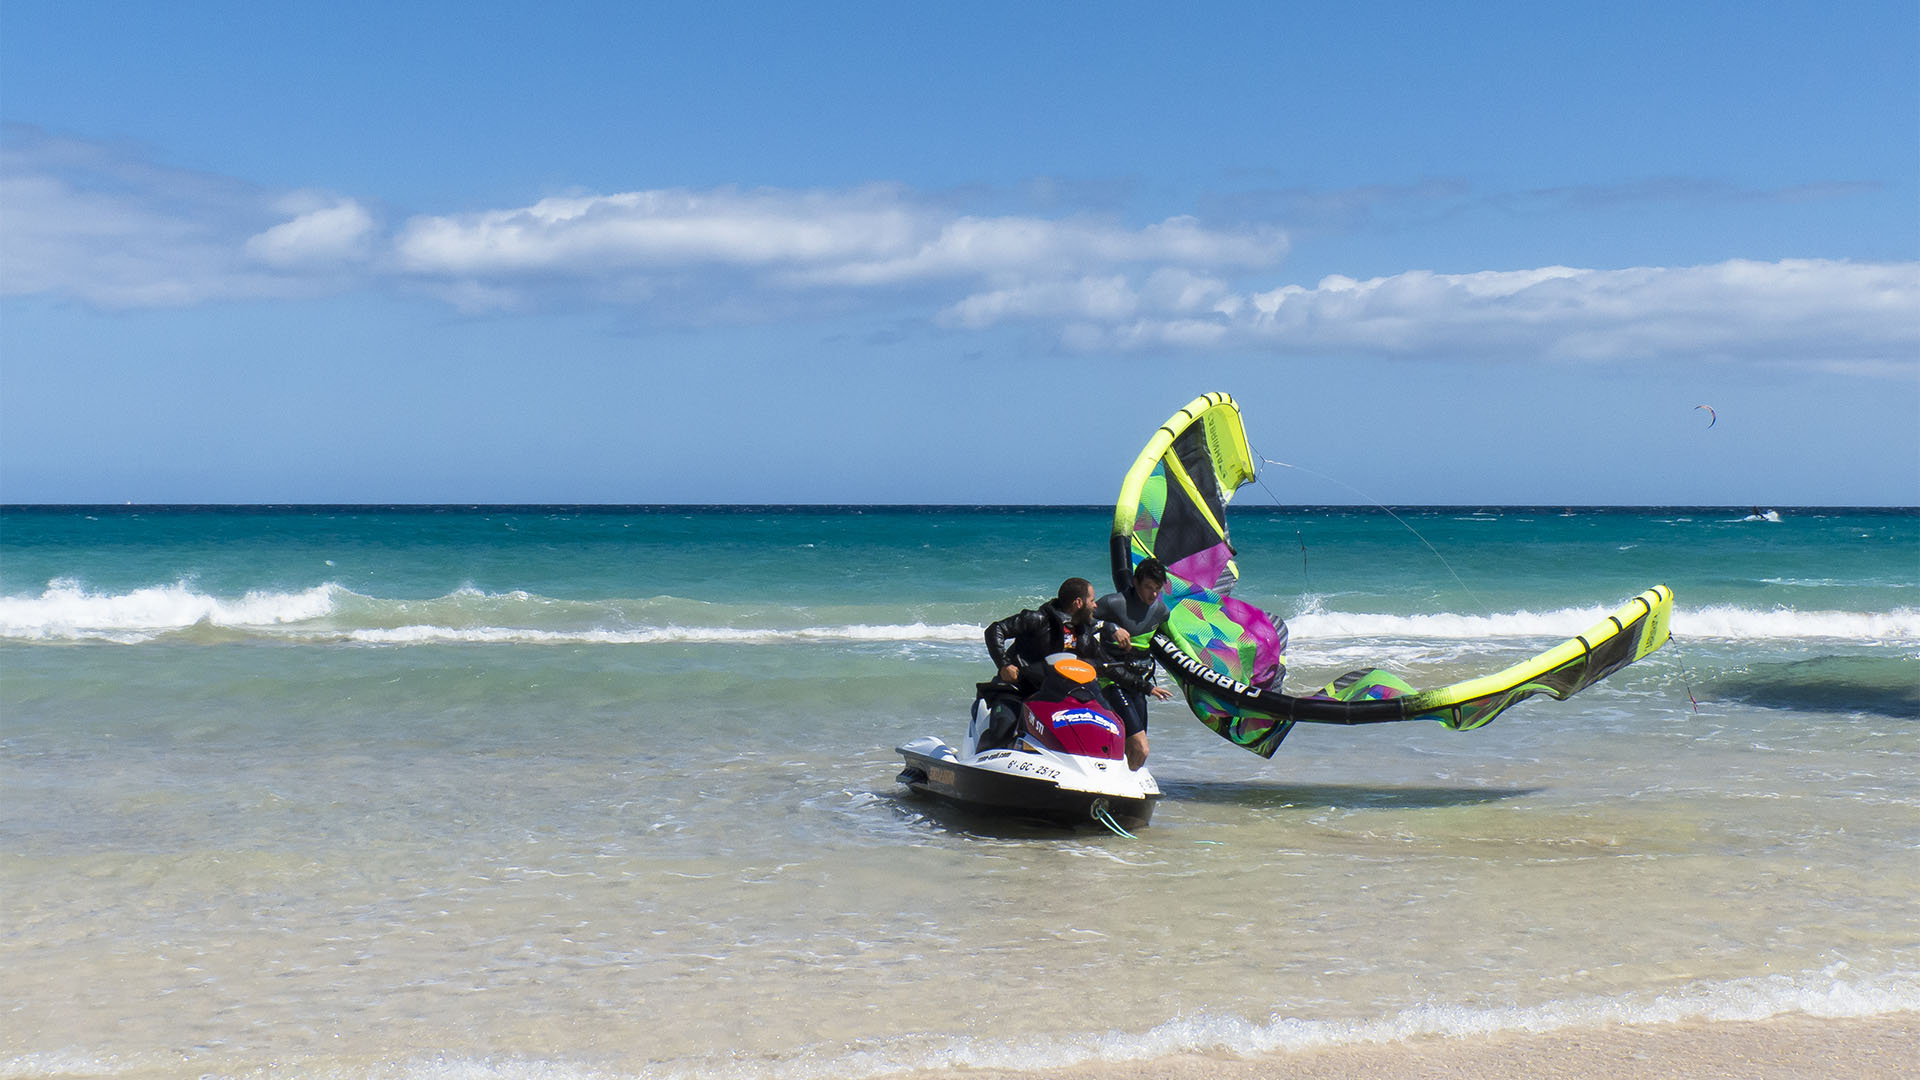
1073 589
1150 570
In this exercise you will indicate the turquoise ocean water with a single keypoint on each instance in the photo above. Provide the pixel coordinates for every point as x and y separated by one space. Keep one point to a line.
606 792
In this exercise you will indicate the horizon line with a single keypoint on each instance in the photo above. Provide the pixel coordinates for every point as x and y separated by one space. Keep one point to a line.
8 507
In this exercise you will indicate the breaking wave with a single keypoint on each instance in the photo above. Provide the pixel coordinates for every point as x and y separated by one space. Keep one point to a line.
1813 994
731 635
68 611
1716 621
330 612
1816 995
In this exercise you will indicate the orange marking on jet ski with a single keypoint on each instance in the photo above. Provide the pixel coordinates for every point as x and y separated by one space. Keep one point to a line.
1078 670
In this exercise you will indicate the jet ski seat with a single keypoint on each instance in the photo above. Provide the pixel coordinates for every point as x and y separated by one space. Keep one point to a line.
1002 703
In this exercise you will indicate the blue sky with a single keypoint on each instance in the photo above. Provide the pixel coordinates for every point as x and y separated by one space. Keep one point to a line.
666 253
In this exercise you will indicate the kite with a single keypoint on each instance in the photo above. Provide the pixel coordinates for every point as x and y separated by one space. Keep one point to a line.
1228 657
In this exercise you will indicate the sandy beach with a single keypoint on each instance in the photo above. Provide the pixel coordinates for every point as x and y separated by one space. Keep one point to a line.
1782 1048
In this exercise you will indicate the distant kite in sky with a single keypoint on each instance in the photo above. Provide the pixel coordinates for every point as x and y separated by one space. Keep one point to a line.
1712 417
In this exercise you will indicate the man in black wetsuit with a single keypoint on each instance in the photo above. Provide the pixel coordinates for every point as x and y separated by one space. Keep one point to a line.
1139 612
1021 643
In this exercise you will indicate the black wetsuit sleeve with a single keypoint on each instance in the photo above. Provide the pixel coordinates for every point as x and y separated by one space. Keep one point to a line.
1127 676
1110 658
1002 633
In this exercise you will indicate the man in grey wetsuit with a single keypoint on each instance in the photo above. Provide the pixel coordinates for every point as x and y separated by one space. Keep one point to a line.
1140 612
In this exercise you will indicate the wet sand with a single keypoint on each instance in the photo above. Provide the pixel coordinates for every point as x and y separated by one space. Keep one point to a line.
1783 1048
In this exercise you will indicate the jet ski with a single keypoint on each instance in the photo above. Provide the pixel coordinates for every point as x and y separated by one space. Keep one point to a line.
1058 755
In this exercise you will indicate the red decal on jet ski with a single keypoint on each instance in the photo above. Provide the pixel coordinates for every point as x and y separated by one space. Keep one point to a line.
1076 727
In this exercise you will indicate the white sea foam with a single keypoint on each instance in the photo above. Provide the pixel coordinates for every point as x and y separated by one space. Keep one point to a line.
1820 995
1725 621
55 1064
1326 625
1716 621
1814 994
1832 583
1737 1000
68 611
729 635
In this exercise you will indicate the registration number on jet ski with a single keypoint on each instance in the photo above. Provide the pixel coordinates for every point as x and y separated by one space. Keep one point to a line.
1014 763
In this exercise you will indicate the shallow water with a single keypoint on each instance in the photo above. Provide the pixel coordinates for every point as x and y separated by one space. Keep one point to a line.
563 792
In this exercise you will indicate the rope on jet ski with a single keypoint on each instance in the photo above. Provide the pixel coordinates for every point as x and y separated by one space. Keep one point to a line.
1105 817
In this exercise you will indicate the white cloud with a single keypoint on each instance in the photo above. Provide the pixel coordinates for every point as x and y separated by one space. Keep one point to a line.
874 236
1815 308
1109 299
1179 290
1032 247
106 226
590 235
1101 299
695 254
1835 315
343 231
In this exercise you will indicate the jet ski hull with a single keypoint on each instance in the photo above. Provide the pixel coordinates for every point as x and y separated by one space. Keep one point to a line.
1023 784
